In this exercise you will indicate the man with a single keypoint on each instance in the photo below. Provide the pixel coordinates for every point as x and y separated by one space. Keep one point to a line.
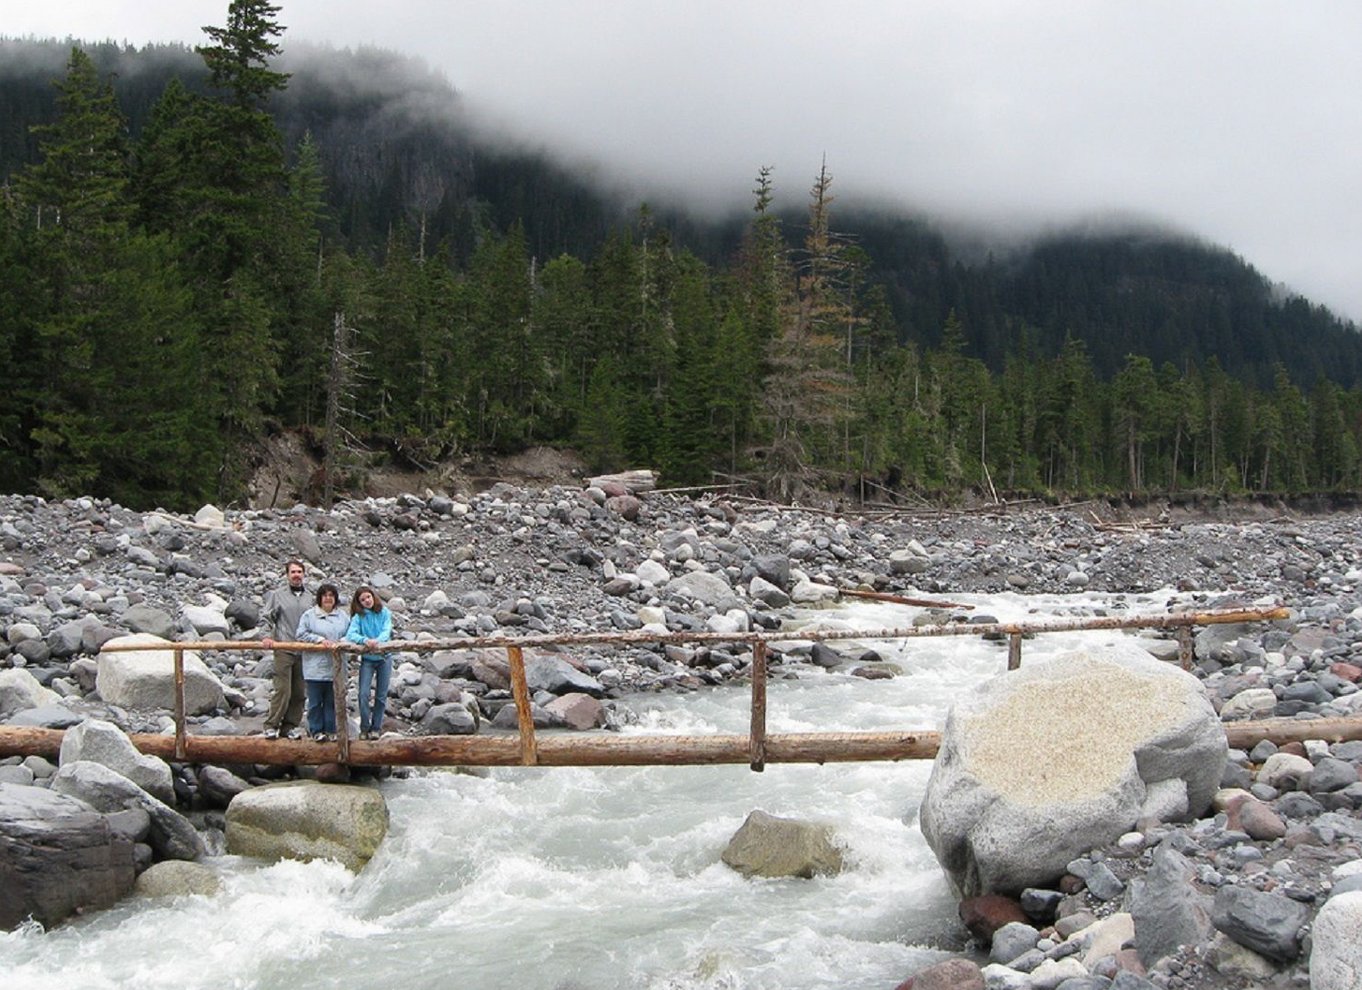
284 606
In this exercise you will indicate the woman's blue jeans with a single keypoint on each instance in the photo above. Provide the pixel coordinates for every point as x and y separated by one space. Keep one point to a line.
375 673
321 706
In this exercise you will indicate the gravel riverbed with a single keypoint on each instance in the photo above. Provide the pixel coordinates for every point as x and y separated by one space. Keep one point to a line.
556 560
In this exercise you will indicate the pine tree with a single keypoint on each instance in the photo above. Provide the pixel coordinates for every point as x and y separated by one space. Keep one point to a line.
212 175
116 411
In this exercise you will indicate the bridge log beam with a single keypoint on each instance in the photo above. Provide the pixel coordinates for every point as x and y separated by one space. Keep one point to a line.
604 749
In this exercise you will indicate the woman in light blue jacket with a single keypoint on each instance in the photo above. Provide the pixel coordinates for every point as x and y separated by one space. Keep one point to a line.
323 624
370 625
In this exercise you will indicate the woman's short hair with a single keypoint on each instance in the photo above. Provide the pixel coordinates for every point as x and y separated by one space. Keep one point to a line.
328 589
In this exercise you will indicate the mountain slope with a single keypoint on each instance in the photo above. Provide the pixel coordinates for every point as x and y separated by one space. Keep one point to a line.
399 150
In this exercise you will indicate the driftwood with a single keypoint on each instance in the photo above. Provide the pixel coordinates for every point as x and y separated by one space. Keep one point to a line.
881 596
635 482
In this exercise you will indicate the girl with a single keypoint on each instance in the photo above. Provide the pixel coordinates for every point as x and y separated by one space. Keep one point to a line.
371 624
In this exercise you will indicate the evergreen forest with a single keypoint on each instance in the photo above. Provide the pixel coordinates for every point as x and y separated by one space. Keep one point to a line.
201 248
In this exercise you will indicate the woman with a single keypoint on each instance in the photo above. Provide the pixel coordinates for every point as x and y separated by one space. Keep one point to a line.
325 625
371 624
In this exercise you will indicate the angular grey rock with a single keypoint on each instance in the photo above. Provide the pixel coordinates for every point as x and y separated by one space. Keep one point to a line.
774 568
20 690
53 716
242 613
453 719
1251 703
65 640
701 586
1167 910
1126 980
105 743
217 786
767 592
142 618
206 621
577 711
57 856
305 543
1330 775
557 676
1011 940
1265 922
172 836
508 718
1102 883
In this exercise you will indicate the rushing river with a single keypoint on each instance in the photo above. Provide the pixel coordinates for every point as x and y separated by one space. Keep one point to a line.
594 878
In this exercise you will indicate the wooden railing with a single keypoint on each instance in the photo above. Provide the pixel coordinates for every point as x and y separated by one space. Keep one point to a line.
757 748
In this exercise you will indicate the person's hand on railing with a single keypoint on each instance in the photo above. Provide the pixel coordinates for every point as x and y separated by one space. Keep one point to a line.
267 643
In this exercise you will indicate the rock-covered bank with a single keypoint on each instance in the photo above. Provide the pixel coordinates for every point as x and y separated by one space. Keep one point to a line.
74 574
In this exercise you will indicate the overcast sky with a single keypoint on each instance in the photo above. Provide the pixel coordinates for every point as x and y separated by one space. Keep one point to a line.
1237 122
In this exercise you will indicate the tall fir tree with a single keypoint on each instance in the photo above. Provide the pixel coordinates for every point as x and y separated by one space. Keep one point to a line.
115 407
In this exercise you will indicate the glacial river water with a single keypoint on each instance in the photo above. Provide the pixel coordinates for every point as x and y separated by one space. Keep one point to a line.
595 878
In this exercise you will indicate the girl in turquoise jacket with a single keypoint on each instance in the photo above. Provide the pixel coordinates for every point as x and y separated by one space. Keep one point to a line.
371 624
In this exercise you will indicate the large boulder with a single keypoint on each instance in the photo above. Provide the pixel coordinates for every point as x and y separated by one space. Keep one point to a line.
767 846
146 680
306 820
104 742
1057 758
58 856
1336 944
172 835
20 691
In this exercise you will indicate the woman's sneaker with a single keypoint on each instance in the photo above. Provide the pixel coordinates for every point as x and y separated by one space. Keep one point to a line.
271 733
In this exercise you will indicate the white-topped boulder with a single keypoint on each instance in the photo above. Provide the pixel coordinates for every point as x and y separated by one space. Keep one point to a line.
1052 760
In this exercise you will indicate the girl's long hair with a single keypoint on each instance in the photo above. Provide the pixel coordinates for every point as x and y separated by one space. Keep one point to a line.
356 607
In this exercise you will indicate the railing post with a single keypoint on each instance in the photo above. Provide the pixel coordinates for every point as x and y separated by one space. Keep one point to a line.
181 749
757 744
1014 650
520 690
1185 647
339 675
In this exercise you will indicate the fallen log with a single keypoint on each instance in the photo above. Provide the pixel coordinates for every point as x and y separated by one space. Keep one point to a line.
596 749
608 749
884 596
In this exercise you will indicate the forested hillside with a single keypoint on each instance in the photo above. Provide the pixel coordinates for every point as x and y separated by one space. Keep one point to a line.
200 247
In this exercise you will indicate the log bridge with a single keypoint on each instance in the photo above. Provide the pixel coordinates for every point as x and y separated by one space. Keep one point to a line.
756 748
